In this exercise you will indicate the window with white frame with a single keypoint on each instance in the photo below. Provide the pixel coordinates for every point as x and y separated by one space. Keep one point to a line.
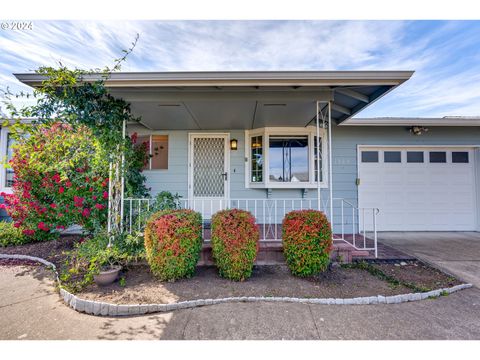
284 157
157 147
6 148
8 170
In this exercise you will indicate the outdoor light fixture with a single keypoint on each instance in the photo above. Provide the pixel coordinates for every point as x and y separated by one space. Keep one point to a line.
418 130
233 144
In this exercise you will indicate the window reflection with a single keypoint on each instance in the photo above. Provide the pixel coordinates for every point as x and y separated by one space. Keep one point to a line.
8 170
257 159
288 159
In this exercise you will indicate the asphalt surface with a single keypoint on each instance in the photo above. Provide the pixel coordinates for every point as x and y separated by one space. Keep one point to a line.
457 253
30 308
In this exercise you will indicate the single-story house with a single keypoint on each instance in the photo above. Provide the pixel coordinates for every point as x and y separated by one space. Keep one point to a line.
250 140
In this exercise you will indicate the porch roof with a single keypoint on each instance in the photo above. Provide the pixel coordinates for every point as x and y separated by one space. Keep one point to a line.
243 99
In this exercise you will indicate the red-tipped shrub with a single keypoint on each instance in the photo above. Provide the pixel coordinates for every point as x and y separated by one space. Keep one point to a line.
60 174
235 239
307 242
173 240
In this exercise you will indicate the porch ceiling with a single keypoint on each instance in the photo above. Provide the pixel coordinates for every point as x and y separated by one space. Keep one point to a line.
244 100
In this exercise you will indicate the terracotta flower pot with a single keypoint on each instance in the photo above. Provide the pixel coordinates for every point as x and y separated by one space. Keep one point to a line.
107 276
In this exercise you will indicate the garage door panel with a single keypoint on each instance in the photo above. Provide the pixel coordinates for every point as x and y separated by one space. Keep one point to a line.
419 196
416 217
463 218
440 217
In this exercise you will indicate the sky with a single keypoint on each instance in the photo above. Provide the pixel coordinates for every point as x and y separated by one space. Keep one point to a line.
444 54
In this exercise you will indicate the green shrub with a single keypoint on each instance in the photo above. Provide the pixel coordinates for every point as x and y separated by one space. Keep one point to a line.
90 255
235 239
307 242
165 200
60 180
173 241
11 235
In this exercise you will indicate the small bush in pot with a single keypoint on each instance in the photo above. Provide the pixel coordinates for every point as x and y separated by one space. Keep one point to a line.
93 255
307 242
173 241
235 237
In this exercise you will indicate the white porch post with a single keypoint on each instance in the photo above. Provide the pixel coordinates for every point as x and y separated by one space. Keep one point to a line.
116 188
330 165
318 160
122 191
109 223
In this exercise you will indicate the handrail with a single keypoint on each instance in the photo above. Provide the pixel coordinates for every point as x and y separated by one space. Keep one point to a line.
269 213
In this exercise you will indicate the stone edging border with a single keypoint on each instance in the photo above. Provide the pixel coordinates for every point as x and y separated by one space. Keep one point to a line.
107 309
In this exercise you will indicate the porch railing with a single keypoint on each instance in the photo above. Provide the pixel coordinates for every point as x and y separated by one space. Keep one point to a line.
350 224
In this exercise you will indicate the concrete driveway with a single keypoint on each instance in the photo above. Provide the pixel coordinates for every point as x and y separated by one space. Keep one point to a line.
457 253
30 308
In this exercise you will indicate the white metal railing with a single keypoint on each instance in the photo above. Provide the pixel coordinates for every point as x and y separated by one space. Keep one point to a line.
361 232
350 224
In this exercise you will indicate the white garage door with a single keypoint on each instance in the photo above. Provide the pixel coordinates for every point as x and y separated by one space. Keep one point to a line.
418 189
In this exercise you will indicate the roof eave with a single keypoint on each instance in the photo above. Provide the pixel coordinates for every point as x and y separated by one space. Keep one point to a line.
245 78
413 121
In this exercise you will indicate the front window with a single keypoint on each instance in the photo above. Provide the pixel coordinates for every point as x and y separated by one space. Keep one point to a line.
8 170
288 157
256 153
157 148
284 158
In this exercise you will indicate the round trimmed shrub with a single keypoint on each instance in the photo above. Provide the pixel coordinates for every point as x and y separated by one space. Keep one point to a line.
307 242
235 237
173 240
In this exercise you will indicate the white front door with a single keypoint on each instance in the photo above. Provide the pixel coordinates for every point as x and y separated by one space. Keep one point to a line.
208 172
418 189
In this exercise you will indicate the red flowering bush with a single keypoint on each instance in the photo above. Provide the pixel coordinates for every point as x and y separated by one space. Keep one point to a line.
60 180
307 242
173 240
235 237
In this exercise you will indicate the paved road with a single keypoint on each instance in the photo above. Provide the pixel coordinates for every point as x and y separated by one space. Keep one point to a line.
457 253
31 309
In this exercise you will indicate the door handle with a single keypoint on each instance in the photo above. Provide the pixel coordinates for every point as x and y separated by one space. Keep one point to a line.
225 176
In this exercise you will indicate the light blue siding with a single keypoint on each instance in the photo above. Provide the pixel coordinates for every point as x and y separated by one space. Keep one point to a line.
344 152
346 139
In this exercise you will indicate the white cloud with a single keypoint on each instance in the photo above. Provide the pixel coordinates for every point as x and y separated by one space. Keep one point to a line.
443 81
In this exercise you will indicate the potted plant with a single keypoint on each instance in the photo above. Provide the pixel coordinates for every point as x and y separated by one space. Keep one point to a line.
107 267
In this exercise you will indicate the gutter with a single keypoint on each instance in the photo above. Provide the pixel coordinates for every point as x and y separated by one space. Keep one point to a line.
240 78
413 121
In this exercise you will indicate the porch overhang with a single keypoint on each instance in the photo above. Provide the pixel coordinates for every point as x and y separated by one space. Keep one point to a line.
243 100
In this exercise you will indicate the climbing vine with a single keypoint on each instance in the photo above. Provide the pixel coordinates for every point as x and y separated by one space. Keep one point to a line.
81 99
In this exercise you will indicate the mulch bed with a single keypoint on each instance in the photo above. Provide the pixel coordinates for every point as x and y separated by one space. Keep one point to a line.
419 274
339 282
53 251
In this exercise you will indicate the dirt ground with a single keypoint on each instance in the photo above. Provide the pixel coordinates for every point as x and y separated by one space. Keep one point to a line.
52 251
419 274
141 287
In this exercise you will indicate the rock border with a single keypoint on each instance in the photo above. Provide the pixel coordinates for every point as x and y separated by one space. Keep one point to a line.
107 309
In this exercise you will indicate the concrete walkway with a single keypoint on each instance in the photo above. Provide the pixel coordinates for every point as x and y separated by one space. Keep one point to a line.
457 253
31 309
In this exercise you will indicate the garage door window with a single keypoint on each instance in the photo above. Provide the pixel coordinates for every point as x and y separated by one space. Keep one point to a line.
459 157
438 157
392 156
370 156
414 156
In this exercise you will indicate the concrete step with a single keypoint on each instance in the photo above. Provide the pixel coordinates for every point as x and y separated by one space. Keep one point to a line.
271 253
